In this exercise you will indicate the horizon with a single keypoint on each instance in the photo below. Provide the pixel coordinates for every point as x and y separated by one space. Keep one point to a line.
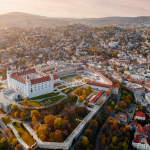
72 17
78 9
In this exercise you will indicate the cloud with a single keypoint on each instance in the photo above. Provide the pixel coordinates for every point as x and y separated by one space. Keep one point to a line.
78 8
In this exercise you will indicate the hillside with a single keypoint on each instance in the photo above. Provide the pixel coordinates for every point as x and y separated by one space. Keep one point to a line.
28 20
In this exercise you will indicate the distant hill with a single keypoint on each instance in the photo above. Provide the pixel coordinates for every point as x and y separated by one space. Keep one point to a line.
18 19
27 20
116 20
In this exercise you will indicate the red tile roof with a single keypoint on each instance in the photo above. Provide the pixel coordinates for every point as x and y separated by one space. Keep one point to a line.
24 72
140 114
55 76
94 71
97 96
99 84
38 80
137 140
115 86
18 78
139 128
9 68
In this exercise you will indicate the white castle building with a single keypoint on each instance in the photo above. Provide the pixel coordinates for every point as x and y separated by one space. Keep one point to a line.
32 82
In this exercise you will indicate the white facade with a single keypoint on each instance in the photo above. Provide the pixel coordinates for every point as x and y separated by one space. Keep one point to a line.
31 83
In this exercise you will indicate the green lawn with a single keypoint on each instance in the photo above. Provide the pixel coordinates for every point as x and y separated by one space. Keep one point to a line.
52 100
69 76
6 120
88 93
28 119
25 136
34 104
131 111
67 91
45 96
71 100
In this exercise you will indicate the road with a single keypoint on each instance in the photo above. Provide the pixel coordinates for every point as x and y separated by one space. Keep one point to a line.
86 127
111 115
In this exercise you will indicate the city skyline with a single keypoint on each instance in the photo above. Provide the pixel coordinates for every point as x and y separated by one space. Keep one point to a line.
78 9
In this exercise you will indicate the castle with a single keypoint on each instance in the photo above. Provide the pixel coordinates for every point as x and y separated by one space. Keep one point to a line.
32 82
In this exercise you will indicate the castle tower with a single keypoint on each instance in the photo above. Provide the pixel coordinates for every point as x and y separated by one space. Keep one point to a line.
51 76
28 83
52 79
9 73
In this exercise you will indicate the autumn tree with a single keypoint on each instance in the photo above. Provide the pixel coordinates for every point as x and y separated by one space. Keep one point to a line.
52 139
49 120
35 115
14 107
100 101
14 142
81 99
114 140
26 102
42 132
88 90
7 132
58 123
58 136
85 141
2 140
76 91
122 104
99 120
84 94
82 111
116 108
16 114
108 110
102 140
23 115
18 147
93 124
65 134
89 134
107 93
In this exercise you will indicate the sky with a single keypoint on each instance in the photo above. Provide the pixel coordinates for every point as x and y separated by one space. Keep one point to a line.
78 8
